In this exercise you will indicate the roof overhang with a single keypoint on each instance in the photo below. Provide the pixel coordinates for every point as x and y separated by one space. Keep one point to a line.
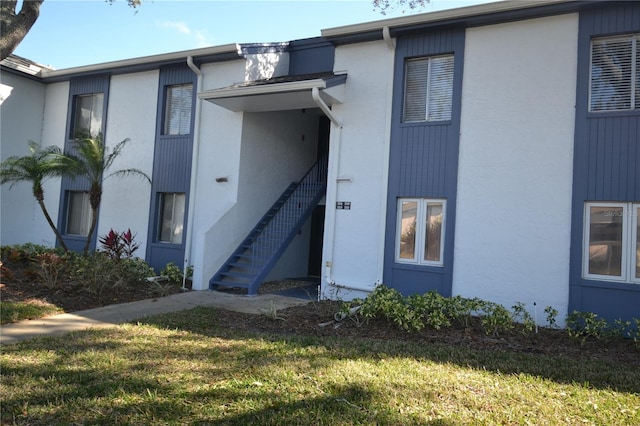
277 94
215 53
477 15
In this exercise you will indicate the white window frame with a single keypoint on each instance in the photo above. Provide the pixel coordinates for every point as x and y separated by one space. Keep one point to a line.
429 115
628 244
421 215
635 72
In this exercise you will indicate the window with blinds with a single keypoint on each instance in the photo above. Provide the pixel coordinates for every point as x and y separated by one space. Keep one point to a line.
178 110
615 74
428 89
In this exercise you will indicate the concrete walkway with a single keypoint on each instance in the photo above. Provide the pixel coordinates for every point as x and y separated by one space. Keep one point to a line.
112 315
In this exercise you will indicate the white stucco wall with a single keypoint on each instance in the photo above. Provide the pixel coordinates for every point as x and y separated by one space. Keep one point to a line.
23 117
218 157
353 239
516 159
131 113
273 153
266 65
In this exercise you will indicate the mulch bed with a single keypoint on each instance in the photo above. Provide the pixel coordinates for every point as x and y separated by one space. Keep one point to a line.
317 319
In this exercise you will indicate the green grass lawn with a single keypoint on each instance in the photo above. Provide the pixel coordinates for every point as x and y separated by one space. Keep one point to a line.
18 311
179 369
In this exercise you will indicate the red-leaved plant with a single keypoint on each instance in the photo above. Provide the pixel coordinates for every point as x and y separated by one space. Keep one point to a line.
119 245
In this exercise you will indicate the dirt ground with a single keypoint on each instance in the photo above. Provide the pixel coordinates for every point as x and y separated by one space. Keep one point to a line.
317 318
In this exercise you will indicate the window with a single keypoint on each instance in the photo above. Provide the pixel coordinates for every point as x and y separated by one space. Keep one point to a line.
171 217
428 89
420 231
78 213
177 120
615 74
87 119
612 242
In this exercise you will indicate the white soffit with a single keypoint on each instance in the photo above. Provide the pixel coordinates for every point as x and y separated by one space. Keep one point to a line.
265 96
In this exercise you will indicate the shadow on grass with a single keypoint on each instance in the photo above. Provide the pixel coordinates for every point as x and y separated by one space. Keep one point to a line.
565 369
183 368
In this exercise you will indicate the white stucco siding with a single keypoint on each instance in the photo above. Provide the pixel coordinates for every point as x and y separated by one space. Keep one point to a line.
218 164
131 114
353 244
516 160
21 115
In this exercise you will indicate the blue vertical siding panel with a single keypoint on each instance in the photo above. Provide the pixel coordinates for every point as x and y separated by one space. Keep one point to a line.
423 162
310 56
171 168
79 86
606 164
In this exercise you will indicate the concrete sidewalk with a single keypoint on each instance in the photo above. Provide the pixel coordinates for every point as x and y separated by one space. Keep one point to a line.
109 316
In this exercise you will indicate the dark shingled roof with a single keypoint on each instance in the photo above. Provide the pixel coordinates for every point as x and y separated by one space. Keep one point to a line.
24 65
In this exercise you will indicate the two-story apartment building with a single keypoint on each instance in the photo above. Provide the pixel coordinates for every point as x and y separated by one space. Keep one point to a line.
490 151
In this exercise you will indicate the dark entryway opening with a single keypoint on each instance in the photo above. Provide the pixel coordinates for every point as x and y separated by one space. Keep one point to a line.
317 217
315 244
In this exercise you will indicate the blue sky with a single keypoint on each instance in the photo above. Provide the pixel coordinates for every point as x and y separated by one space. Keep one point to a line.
74 33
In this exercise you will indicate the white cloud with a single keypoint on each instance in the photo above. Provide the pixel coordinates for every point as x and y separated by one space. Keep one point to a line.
181 27
201 38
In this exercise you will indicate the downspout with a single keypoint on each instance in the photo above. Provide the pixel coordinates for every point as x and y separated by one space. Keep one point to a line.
391 44
315 94
194 171
332 176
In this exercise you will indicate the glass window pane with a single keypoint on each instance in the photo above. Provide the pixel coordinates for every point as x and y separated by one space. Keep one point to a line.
178 110
408 230
78 214
611 67
605 240
415 90
433 232
440 88
172 206
88 116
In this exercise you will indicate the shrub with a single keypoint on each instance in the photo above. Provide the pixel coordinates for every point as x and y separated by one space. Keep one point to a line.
495 318
99 272
119 245
522 316
172 273
552 314
51 268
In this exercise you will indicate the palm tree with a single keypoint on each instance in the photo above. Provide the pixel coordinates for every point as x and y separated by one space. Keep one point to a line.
36 168
92 160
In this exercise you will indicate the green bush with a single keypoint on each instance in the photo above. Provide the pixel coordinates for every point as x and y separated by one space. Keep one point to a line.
99 273
172 273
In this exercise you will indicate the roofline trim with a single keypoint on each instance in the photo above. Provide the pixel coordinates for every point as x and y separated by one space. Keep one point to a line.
438 16
141 61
